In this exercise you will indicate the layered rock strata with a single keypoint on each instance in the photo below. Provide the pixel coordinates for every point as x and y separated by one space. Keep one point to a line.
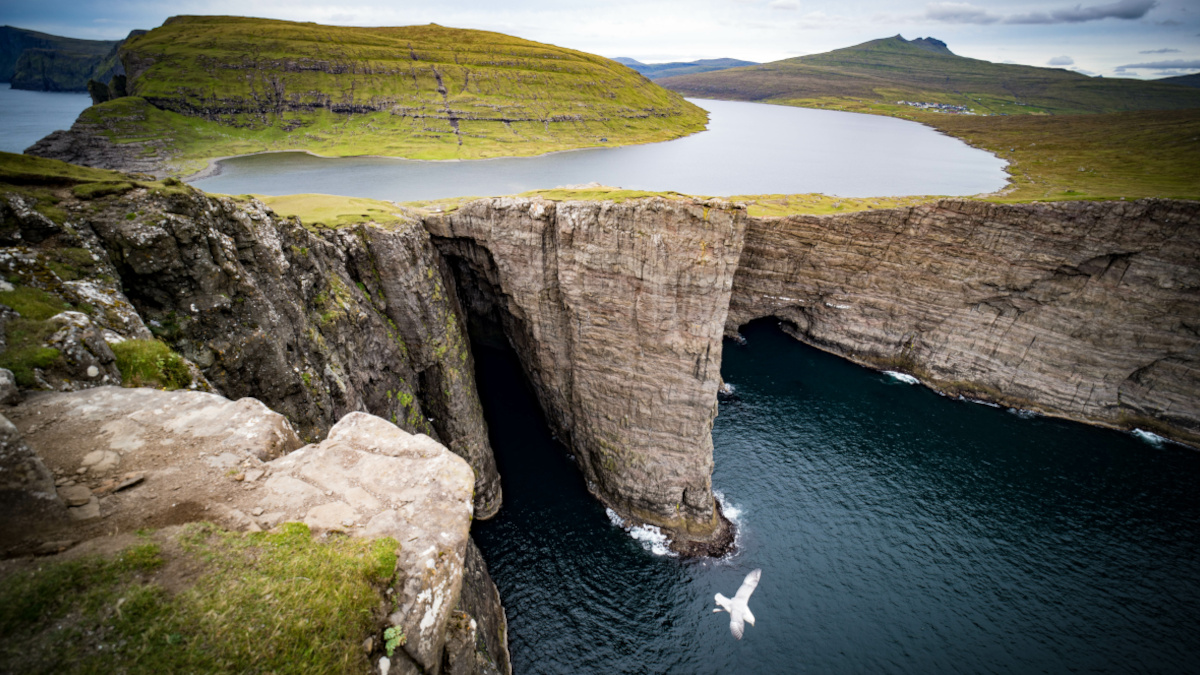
617 312
315 325
1083 310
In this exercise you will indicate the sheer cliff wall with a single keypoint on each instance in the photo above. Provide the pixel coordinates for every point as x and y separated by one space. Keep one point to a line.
1085 310
616 311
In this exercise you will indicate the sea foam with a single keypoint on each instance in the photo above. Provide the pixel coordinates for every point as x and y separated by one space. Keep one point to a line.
649 536
902 377
1149 437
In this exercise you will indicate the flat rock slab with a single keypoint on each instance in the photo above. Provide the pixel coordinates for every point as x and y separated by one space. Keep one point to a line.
372 479
188 456
145 458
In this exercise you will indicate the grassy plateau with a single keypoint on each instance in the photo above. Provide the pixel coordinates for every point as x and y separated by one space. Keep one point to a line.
207 87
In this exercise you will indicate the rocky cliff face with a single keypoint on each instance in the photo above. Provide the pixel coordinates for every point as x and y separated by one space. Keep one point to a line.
616 311
315 325
1085 310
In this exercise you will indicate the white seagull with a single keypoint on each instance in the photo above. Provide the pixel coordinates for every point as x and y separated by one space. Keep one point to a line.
739 612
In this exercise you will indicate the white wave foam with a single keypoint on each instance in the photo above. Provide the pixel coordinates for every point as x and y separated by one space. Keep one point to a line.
726 389
979 401
903 377
1023 414
649 536
1149 437
734 513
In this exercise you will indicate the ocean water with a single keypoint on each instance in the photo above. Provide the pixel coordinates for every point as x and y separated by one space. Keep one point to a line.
898 531
27 116
749 148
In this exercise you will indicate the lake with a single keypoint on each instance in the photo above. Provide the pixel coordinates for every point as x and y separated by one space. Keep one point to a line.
749 148
27 116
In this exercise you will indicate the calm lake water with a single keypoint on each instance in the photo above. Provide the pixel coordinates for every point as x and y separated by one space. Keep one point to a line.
750 148
898 532
27 116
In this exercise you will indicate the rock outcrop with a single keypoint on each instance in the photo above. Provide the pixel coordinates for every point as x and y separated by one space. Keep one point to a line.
316 325
1084 310
141 457
617 312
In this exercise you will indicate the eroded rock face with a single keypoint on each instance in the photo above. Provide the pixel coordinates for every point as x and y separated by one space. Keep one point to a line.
1085 310
314 325
616 311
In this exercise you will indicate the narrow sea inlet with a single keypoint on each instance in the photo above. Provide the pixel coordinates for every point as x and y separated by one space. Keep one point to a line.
749 148
898 531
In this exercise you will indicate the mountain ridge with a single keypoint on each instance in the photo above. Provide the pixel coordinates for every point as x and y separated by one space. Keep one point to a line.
893 69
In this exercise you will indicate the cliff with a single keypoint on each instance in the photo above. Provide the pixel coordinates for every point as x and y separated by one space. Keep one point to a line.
616 308
32 60
616 311
1085 310
316 324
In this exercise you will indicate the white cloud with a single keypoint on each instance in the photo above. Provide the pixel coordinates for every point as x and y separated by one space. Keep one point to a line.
1061 61
789 5
1175 64
961 12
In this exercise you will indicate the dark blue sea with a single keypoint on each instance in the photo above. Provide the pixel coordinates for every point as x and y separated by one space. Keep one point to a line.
898 532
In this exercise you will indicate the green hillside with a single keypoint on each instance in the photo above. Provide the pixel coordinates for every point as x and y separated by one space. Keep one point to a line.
1192 80
882 72
217 86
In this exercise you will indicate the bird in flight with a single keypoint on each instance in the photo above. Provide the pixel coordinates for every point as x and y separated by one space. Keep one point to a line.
739 612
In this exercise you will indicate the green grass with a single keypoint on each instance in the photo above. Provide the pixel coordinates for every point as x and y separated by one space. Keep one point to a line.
881 72
598 194
25 337
33 303
206 87
316 211
150 363
263 603
819 204
101 189
1129 155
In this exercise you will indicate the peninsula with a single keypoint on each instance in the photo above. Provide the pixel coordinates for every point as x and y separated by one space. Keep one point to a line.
201 88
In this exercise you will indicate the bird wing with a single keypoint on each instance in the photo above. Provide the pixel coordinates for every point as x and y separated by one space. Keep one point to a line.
736 625
748 586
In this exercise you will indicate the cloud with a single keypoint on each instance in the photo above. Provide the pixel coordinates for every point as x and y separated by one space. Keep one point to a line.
958 12
783 4
1184 64
1061 61
961 12
1159 51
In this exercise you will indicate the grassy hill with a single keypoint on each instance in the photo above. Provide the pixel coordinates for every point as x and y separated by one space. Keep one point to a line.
206 87
1192 80
42 62
657 71
882 72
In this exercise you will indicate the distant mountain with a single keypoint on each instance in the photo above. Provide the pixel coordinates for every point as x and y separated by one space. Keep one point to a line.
49 55
926 71
1192 80
655 71
43 62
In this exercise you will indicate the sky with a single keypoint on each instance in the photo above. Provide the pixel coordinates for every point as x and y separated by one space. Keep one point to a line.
1122 38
